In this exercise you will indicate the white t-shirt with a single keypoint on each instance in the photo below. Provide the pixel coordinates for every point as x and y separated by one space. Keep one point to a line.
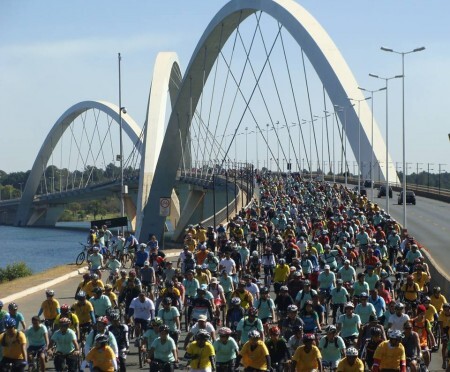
253 289
142 309
398 321
195 328
228 264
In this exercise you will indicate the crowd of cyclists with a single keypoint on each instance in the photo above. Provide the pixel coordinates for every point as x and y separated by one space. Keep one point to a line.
310 276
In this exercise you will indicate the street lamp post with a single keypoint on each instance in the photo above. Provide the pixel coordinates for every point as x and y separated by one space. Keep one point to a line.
256 140
246 153
267 149
359 141
371 141
403 120
386 79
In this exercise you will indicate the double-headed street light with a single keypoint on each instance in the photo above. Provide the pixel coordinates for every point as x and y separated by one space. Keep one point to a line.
359 140
403 120
386 79
371 140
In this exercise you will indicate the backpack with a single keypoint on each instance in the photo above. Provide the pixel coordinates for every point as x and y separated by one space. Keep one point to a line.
260 303
16 340
335 342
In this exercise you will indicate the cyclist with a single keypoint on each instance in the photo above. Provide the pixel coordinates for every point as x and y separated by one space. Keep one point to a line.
152 332
3 316
101 356
398 320
50 308
423 329
191 285
371 344
364 309
411 291
254 353
235 313
67 349
14 347
95 260
307 357
16 315
212 263
438 299
305 294
85 312
311 323
201 353
163 350
390 355
100 302
65 312
171 292
351 362
289 323
366 331
411 343
111 295
142 310
245 295
95 282
226 350
37 338
170 316
265 306
348 324
296 339
247 324
332 348
200 305
120 332
278 349
254 264
268 263
218 297
347 273
101 328
444 325
339 297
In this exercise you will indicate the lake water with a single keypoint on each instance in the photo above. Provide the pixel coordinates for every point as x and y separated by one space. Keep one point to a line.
42 248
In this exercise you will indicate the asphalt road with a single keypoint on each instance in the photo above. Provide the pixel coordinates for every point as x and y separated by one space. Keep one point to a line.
428 221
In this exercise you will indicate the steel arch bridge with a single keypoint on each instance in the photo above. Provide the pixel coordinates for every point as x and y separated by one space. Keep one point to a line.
161 153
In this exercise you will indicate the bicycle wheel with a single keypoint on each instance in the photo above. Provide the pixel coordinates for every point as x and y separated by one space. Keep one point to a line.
437 335
141 355
80 258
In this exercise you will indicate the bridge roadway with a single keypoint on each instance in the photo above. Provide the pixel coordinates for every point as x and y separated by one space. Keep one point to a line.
65 291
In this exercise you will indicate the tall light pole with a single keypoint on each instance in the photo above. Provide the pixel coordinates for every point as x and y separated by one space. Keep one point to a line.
403 120
310 145
386 79
246 153
371 140
359 141
267 150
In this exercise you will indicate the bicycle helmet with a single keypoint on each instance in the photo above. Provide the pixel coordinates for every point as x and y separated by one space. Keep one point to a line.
339 281
97 290
167 301
436 289
274 331
349 305
292 308
297 328
351 352
308 302
157 321
254 334
235 301
64 308
426 299
264 290
169 284
284 288
395 335
164 328
282 261
446 305
225 331
10 323
210 255
1 304
202 335
143 245
255 254
363 295
64 322
13 306
399 306
308 337
88 276
101 339
94 276
113 316
49 293
252 311
331 328
81 295
306 282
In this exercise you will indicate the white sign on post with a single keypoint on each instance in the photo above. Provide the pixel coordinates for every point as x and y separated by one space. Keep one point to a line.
164 207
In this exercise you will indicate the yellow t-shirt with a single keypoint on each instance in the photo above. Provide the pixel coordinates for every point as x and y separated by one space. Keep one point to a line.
438 302
429 314
203 353
13 345
191 244
445 320
343 366
91 285
74 321
119 284
112 297
201 235
390 358
83 285
424 278
411 291
202 278
83 312
281 273
50 308
102 358
306 361
255 358
246 298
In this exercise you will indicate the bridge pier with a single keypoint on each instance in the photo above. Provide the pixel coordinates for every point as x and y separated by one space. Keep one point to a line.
45 216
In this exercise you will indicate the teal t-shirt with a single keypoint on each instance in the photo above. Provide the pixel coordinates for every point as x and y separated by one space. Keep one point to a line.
164 351
244 252
331 353
169 317
372 280
64 342
364 312
359 288
264 307
150 335
245 327
326 281
347 275
191 287
227 284
339 296
100 305
225 352
349 325
36 337
18 318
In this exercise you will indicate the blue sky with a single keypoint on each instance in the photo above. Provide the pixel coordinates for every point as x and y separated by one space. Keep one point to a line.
57 53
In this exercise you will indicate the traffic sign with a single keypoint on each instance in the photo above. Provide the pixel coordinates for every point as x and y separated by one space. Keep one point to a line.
164 206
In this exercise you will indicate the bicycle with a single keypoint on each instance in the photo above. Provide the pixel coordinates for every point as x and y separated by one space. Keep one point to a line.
34 361
437 335
159 366
87 250
142 352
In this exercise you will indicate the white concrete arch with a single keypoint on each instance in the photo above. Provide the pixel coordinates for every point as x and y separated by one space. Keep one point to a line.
166 81
129 126
329 64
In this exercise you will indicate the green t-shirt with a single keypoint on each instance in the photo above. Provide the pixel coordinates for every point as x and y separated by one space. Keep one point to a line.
164 351
349 325
169 317
339 297
64 342
359 288
36 337
331 353
264 307
150 335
